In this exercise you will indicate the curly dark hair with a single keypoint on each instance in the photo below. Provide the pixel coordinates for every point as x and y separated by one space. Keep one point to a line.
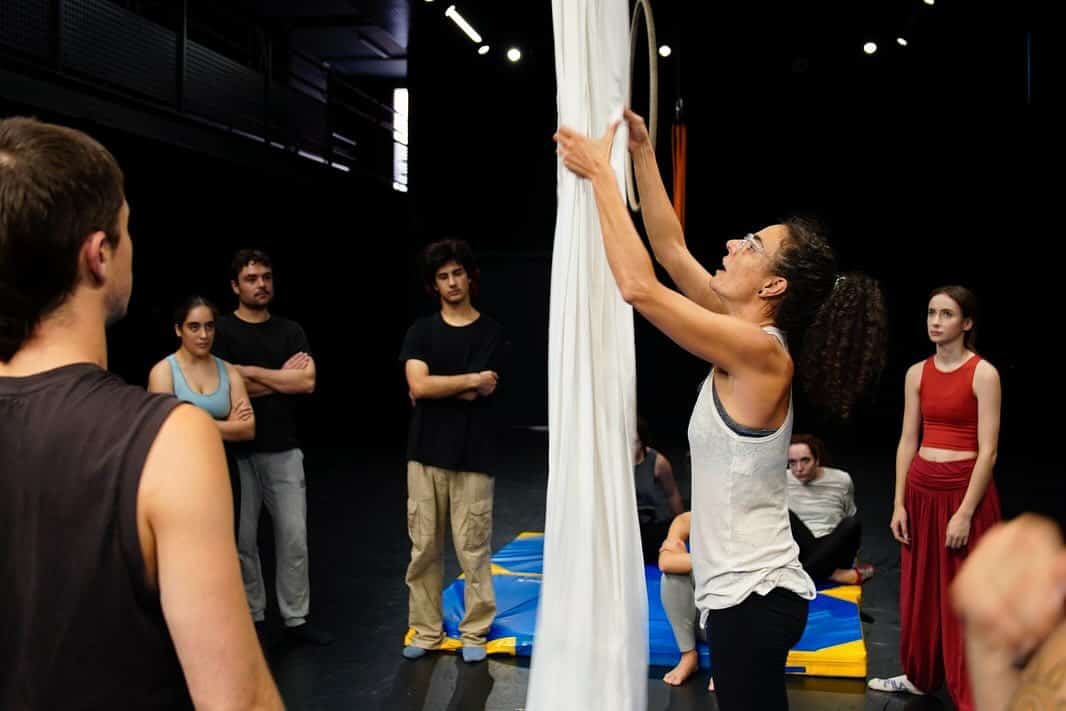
836 322
242 258
438 254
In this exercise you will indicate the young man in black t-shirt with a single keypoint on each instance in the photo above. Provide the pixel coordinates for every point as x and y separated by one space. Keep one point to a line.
273 356
451 361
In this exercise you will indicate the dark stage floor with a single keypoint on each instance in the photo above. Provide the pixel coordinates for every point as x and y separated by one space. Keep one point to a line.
359 552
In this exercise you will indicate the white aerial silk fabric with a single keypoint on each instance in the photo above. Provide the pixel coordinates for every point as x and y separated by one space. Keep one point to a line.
591 643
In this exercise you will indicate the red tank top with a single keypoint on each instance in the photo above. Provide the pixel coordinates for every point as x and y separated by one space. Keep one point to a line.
949 407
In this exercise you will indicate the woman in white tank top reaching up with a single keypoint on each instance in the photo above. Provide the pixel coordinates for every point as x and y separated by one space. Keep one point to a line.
751 591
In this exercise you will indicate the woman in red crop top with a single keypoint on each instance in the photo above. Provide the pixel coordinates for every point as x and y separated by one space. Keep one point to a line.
945 497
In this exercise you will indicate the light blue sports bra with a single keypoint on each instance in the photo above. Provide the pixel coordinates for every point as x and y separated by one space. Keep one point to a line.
216 404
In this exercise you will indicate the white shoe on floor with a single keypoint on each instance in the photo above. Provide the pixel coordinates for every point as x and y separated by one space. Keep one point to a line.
895 685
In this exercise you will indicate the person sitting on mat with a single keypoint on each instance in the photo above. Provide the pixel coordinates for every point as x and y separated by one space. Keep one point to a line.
821 509
677 590
658 499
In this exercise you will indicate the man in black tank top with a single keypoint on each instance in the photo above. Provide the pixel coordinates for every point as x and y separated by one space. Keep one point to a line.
121 586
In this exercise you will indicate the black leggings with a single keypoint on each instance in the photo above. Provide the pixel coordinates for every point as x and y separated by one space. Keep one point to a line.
749 646
837 549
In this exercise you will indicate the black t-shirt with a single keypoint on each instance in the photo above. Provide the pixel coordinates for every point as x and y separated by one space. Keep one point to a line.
449 432
266 345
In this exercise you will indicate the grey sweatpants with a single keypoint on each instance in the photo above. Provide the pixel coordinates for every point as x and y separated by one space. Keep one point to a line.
277 480
678 594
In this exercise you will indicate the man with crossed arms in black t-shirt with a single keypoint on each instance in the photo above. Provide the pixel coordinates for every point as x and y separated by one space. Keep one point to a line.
273 356
450 360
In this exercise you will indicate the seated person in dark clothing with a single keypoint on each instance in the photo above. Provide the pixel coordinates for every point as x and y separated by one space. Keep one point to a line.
821 503
658 499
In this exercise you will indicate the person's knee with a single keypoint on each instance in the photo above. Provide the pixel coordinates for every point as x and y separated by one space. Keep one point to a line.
475 531
291 537
851 526
676 581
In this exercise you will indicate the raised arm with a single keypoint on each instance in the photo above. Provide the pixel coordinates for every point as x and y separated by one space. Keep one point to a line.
185 524
737 346
661 223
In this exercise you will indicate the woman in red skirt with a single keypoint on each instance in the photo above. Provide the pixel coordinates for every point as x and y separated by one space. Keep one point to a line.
945 496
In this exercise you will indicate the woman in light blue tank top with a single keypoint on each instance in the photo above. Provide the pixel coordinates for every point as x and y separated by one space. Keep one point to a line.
751 591
195 376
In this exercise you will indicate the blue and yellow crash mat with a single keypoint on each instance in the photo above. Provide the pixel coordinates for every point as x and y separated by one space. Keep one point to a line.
832 644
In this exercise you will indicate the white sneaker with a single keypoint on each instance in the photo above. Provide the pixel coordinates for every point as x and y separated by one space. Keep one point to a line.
895 685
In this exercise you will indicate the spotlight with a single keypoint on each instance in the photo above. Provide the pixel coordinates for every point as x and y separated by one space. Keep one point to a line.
483 49
901 42
513 54
458 19
870 47
665 51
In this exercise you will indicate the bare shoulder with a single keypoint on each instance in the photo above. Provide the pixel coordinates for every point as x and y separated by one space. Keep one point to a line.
914 374
185 464
188 432
159 377
986 372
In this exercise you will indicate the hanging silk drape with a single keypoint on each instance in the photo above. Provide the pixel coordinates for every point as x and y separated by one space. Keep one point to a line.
591 642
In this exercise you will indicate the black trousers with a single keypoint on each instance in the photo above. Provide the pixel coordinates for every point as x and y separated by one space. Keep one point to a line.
749 646
821 556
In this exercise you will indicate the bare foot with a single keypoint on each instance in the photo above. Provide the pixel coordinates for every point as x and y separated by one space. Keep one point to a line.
689 663
845 576
853 576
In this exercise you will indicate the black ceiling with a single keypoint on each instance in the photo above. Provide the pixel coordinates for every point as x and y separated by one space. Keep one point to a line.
354 38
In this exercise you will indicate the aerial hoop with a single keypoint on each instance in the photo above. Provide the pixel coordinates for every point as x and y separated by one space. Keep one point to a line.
644 7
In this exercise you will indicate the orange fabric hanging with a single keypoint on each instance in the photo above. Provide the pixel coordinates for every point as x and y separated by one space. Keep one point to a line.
679 141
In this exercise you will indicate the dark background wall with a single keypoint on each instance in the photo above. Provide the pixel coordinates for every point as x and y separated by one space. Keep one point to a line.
929 167
928 164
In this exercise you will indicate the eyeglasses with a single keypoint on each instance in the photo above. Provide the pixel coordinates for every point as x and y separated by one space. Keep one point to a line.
750 241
